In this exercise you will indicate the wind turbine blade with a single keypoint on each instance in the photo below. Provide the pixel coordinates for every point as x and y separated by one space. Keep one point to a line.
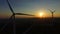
11 17
10 6
50 10
6 24
23 14
54 10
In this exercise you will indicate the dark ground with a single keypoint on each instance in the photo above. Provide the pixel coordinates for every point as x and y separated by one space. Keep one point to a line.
36 25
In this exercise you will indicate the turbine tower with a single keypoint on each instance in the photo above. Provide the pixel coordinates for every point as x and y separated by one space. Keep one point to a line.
52 12
13 16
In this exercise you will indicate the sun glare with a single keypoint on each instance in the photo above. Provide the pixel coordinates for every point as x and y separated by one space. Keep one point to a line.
41 14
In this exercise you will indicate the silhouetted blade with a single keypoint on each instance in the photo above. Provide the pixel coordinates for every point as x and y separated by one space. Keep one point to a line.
54 10
10 6
23 14
6 23
50 10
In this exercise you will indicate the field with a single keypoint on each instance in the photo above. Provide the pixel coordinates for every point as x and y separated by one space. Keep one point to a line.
30 26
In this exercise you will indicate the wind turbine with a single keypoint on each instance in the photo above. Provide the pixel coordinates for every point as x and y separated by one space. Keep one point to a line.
52 12
13 16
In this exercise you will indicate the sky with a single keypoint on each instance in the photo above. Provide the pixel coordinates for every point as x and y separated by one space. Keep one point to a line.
30 7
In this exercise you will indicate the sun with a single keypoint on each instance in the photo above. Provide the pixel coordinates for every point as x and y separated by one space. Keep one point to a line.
41 14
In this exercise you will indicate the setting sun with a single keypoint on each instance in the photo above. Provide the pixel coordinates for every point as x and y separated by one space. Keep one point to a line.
41 14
